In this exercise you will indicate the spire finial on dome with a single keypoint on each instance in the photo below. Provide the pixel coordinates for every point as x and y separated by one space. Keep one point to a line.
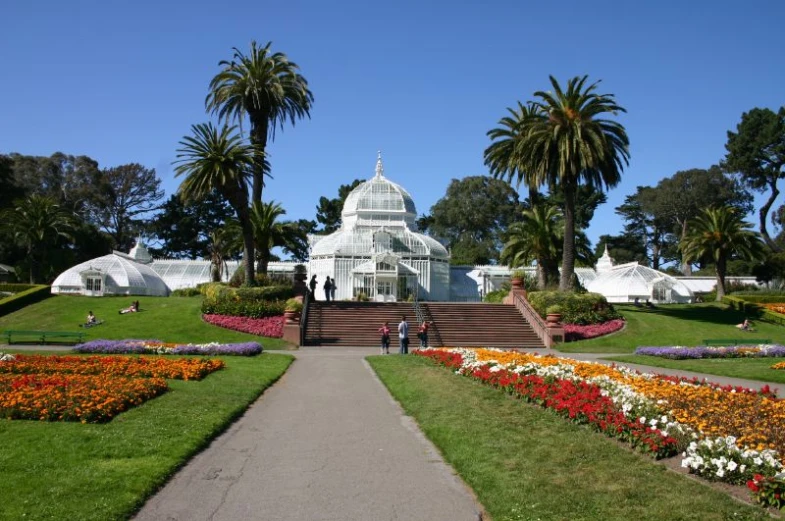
379 166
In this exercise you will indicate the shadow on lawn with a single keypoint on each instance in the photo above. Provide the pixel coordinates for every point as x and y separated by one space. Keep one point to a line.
708 313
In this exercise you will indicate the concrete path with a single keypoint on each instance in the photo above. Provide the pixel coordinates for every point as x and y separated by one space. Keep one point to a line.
326 442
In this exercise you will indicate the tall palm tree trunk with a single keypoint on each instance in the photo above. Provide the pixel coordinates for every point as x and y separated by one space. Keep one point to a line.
568 255
720 270
248 253
259 138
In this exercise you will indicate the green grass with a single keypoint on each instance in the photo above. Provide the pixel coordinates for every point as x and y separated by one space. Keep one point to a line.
671 325
63 470
525 463
170 319
748 368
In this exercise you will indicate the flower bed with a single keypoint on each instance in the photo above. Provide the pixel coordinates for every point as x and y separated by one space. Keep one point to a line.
140 367
727 434
777 308
156 347
73 397
574 332
268 326
681 353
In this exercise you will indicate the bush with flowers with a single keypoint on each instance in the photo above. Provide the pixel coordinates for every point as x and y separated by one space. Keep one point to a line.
741 351
268 326
73 397
768 491
720 459
575 332
727 433
156 347
132 366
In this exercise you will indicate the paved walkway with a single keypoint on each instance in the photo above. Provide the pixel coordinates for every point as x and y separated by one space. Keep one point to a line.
326 442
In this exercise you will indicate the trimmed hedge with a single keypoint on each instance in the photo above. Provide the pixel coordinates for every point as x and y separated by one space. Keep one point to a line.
15 288
259 302
754 310
577 308
186 292
252 309
24 298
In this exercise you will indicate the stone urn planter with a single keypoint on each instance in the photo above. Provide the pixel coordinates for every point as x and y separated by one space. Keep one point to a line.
553 319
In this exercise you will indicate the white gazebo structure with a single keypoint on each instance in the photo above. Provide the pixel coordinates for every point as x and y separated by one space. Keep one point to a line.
378 251
114 274
631 281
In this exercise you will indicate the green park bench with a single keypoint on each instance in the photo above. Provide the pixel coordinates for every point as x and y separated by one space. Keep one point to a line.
735 341
43 336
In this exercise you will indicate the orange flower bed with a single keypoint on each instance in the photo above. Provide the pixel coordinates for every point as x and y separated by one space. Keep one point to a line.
148 367
73 397
777 308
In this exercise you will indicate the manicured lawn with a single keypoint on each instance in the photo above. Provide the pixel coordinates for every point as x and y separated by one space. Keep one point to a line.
525 463
169 319
749 368
62 470
672 325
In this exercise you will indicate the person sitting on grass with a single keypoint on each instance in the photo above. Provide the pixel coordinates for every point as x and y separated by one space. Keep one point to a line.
133 308
90 318
745 326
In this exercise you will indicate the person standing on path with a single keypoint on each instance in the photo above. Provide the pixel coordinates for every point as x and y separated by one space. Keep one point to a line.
312 285
385 331
403 336
327 287
332 289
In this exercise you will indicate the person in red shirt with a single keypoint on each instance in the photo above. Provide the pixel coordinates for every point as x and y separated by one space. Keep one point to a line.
385 331
423 334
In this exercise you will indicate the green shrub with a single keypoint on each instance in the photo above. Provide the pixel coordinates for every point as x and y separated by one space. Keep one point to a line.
246 302
265 293
186 292
252 309
260 279
577 308
293 304
24 298
15 288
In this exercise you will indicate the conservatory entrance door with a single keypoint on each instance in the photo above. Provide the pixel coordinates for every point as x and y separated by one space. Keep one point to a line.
385 290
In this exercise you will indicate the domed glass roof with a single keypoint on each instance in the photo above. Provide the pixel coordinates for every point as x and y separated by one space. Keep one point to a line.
378 201
626 282
123 275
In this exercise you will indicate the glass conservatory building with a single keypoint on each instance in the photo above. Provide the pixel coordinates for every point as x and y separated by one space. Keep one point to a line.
378 251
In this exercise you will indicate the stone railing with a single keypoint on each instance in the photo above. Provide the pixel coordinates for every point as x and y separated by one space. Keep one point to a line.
549 332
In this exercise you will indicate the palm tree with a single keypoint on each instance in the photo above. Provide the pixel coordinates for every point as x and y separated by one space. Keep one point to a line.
268 232
503 156
268 88
718 233
536 238
539 237
224 162
37 222
564 141
224 242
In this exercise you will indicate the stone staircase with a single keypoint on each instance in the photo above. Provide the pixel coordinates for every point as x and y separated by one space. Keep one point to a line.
455 324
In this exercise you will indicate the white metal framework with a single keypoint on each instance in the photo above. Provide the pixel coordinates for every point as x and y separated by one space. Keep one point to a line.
378 251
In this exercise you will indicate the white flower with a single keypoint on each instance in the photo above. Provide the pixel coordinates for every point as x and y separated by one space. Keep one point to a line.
642 419
732 465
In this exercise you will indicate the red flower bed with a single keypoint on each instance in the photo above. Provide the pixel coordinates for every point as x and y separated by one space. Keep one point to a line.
268 326
579 402
574 332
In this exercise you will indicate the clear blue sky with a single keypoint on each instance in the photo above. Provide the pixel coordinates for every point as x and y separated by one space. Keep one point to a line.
422 81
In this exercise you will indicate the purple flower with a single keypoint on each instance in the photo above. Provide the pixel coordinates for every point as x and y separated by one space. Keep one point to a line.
744 351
